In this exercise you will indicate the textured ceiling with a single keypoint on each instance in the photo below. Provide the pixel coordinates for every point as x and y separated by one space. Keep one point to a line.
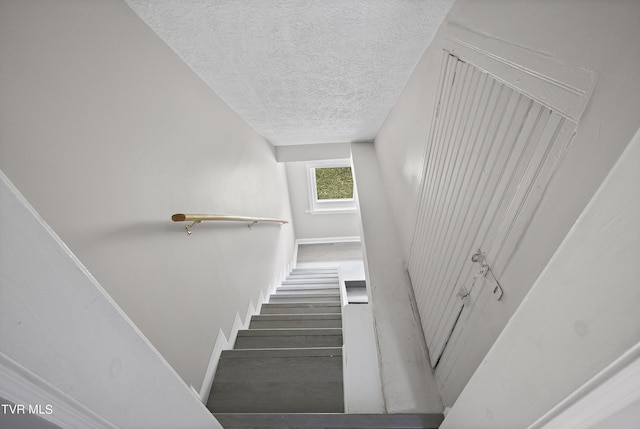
299 71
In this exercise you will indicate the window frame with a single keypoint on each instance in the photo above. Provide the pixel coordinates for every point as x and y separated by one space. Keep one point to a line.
328 206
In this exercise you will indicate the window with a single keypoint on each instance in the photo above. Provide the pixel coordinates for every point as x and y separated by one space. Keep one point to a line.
334 183
331 187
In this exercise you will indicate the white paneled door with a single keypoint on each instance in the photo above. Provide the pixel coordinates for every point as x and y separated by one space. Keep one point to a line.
490 156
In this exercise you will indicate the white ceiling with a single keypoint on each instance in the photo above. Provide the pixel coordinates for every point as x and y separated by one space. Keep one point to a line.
301 71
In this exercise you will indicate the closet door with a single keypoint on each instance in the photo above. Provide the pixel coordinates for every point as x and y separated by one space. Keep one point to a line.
490 156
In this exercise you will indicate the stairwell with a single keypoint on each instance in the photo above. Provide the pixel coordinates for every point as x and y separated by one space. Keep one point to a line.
286 370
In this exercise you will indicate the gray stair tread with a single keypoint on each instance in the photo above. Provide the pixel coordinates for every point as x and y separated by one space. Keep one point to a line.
288 367
279 380
290 321
288 338
315 272
309 305
305 286
308 281
308 291
295 352
293 295
288 332
280 365
303 299
328 276
277 397
310 286
301 308
298 321
296 274
280 338
328 420
313 316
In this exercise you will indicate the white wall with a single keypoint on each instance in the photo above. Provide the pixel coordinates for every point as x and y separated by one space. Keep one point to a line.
580 315
107 133
309 225
408 384
588 35
313 152
65 344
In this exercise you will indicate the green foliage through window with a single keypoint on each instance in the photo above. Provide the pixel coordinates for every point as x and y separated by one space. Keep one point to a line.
334 183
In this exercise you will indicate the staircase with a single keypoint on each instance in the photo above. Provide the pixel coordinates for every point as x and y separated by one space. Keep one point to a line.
285 371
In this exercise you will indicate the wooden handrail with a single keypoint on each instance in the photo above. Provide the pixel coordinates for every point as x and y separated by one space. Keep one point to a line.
199 218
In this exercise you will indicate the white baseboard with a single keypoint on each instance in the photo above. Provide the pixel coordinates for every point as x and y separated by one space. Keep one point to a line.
238 324
295 256
220 344
22 387
261 300
251 310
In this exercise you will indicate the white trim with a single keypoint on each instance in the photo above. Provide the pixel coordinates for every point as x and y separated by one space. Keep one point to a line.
21 386
295 255
261 300
221 344
238 324
251 310
608 392
332 211
344 300
195 392
562 87
345 381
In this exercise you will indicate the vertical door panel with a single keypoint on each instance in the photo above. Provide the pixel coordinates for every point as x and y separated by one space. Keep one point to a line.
490 156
